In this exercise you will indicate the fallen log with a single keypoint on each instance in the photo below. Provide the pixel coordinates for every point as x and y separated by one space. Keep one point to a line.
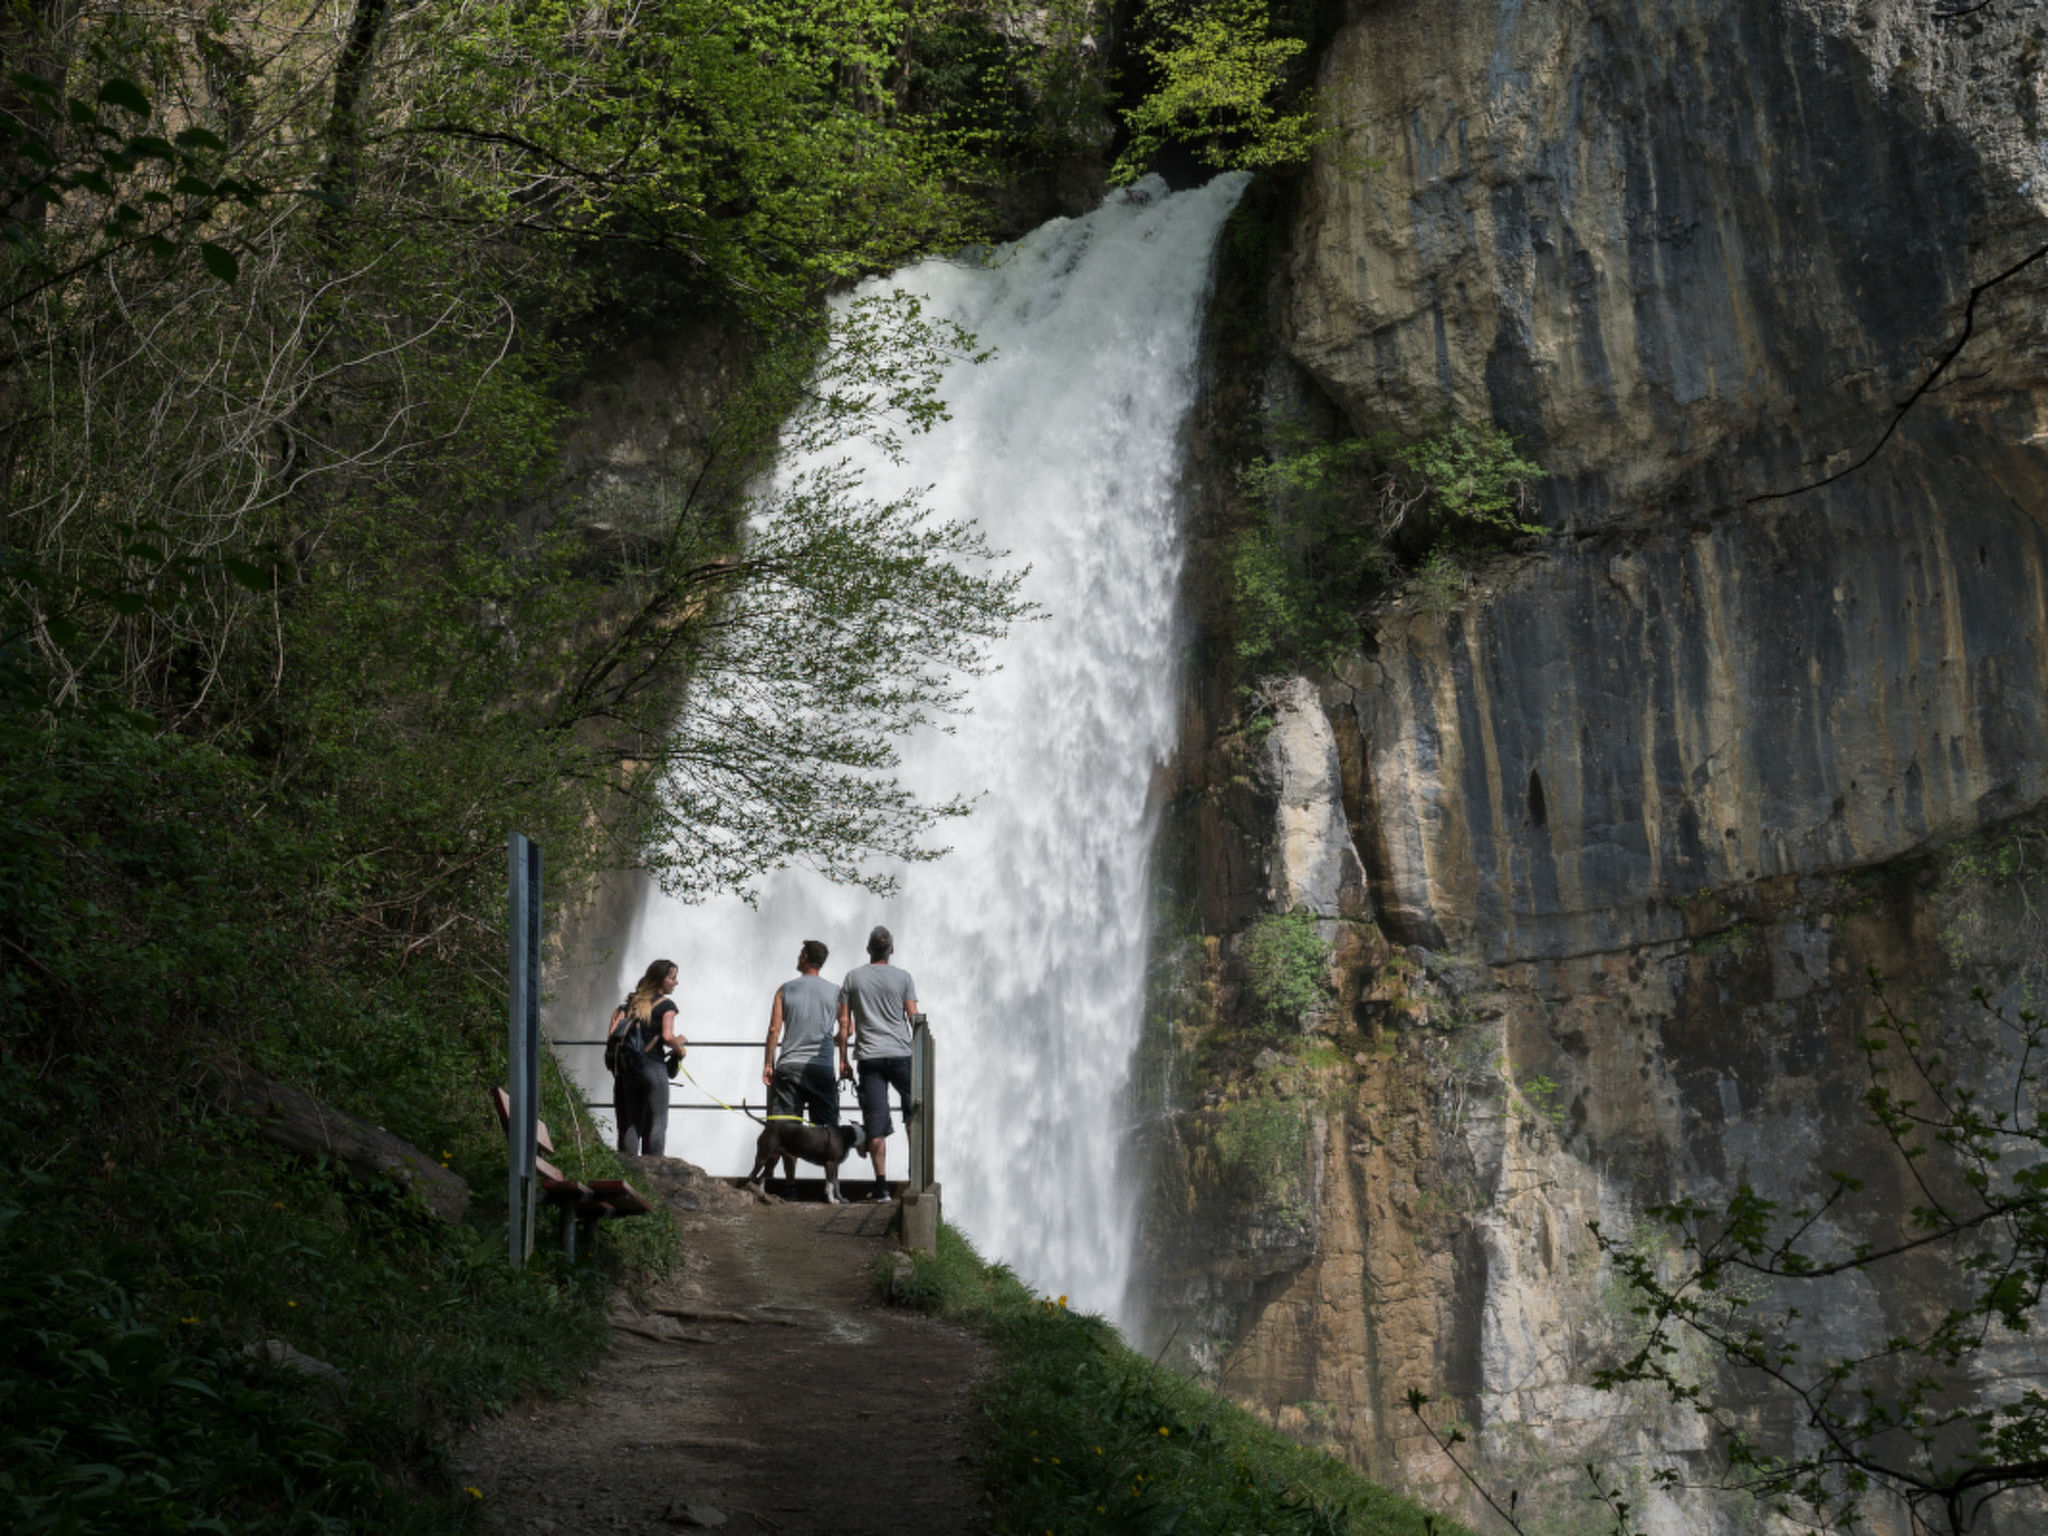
294 1119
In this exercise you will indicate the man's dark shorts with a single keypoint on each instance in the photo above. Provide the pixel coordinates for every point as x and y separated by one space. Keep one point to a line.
811 1088
876 1079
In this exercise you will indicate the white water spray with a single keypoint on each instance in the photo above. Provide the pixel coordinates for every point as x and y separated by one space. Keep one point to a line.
1028 941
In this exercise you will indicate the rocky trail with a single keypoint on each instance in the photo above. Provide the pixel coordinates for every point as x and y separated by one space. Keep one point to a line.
761 1388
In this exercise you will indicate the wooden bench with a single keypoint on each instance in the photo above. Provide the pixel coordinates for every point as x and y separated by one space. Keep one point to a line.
581 1204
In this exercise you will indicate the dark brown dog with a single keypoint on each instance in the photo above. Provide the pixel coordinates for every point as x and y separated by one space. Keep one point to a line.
824 1144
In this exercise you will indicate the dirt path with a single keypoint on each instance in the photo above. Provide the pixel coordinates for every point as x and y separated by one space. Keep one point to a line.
825 1412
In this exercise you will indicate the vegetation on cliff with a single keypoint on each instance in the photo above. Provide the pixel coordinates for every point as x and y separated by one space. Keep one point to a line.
1330 521
1226 84
1086 1435
1904 1423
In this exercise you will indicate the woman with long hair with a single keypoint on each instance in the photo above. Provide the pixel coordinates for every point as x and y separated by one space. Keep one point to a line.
642 1024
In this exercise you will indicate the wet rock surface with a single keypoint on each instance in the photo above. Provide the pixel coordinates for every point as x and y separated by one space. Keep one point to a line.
1639 806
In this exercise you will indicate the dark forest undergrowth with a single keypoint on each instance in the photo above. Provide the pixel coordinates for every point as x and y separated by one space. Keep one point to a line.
300 616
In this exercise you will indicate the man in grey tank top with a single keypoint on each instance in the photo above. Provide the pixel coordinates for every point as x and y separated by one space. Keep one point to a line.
804 1018
875 1004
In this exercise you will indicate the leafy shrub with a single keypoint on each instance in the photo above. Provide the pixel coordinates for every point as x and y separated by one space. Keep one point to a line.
1439 579
1022 86
1329 518
1262 1145
112 1423
1473 476
158 927
1286 970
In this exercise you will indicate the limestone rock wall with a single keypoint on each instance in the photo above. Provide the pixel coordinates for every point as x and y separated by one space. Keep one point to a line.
1689 252
1633 815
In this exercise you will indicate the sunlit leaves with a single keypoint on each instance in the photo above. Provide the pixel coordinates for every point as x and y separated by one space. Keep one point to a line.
1220 75
757 144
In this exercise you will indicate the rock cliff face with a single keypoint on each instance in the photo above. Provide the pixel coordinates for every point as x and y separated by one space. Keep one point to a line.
1607 843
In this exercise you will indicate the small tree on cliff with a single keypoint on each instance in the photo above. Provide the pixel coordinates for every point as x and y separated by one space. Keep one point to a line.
1931 1419
1923 1417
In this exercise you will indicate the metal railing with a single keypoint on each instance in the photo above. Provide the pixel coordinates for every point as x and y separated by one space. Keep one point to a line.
695 1045
917 1117
919 1120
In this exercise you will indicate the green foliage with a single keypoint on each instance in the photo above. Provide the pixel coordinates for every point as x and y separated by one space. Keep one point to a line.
1473 476
1084 1435
1286 970
295 625
1020 84
1439 579
1223 81
1542 1096
1907 1416
148 929
141 187
1327 518
112 1423
761 145
1262 1147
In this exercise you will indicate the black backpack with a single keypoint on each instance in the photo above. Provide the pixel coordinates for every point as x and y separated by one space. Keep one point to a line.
616 1041
627 1037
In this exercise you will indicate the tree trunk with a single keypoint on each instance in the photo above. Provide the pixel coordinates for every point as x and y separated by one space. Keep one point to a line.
300 1122
351 75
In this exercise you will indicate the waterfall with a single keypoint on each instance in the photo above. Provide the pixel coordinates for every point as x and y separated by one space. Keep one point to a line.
1028 941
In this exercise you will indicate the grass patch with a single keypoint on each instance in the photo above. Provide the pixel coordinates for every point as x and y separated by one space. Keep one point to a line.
1082 1434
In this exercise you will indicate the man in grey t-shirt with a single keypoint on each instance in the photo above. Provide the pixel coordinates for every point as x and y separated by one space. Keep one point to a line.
876 1001
802 1017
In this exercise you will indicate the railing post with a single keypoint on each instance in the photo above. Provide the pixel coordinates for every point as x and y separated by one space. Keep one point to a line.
921 1086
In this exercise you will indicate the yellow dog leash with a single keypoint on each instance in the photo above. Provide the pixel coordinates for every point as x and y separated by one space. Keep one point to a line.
714 1098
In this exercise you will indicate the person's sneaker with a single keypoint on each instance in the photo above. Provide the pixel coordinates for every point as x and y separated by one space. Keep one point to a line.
881 1193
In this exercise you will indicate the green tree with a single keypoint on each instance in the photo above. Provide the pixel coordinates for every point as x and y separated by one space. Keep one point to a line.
296 623
1222 80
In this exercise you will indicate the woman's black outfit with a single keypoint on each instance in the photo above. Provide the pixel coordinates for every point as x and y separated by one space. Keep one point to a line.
640 1086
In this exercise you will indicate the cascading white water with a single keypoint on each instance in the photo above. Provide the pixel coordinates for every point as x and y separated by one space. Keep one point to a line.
1027 942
